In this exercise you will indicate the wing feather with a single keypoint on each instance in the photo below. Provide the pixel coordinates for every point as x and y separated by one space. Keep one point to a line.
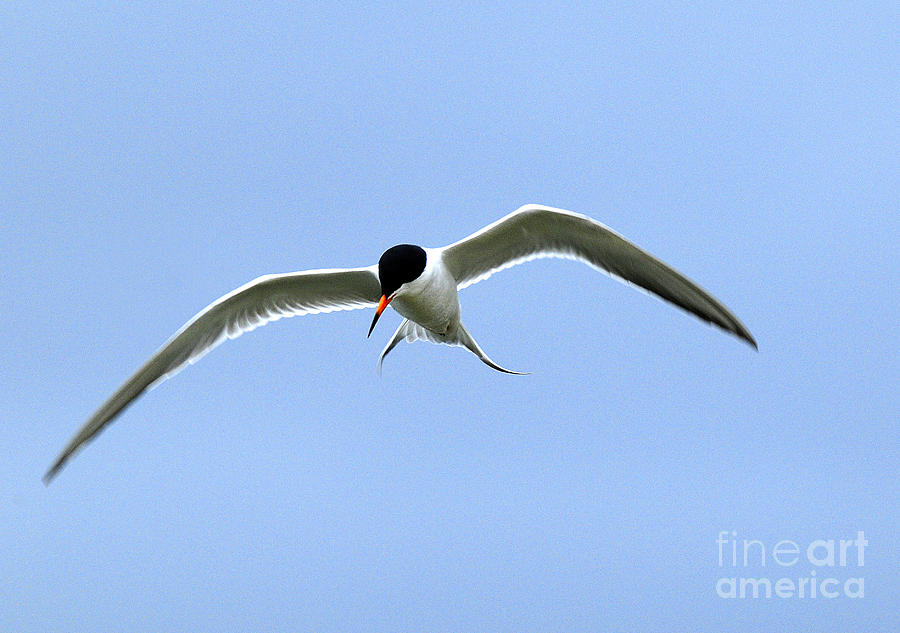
261 301
535 231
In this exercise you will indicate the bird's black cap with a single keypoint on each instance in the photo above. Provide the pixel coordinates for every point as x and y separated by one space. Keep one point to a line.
398 265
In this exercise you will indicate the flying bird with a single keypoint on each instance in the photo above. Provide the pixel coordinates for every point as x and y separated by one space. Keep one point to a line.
419 283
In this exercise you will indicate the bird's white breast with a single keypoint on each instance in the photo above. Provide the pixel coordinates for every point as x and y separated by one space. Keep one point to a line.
431 300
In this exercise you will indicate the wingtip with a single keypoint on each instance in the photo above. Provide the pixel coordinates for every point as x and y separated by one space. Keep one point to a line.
739 330
748 338
51 473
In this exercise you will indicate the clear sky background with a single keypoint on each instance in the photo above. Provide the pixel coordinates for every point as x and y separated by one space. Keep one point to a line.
154 158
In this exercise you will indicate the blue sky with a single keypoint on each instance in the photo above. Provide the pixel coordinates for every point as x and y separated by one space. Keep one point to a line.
155 157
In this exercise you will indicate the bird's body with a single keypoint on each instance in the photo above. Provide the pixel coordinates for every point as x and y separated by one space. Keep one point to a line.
422 285
431 300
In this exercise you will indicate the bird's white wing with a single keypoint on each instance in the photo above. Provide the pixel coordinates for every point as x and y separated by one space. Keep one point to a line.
535 231
265 299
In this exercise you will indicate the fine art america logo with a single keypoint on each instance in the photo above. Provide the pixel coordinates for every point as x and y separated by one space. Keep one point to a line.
823 568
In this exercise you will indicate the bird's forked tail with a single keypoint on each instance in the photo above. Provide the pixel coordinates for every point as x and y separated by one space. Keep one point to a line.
412 332
466 340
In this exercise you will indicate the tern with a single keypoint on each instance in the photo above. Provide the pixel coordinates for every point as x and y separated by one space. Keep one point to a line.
422 285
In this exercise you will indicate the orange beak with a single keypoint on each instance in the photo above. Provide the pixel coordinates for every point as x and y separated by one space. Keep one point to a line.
382 304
